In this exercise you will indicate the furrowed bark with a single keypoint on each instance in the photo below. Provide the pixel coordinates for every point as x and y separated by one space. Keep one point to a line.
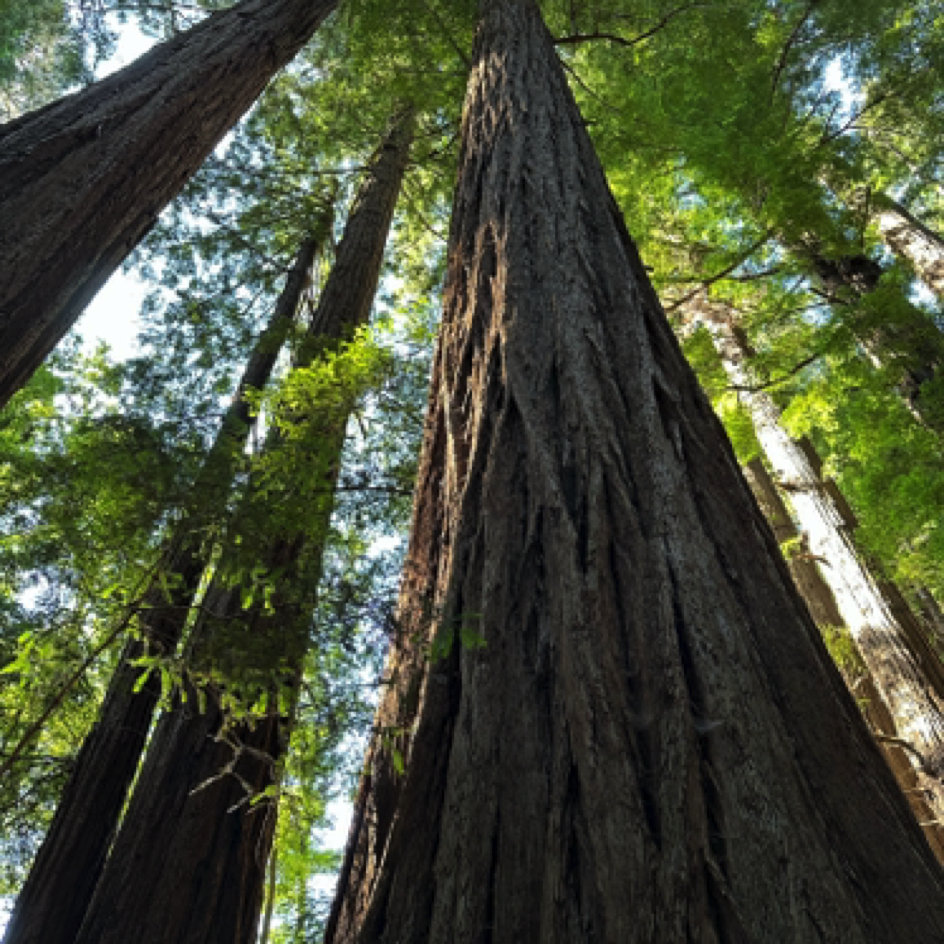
653 744
819 598
189 861
902 665
84 179
57 892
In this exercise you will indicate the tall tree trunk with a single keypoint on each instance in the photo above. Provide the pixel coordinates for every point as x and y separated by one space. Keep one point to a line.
652 744
57 892
903 666
84 179
911 240
189 861
819 598
914 349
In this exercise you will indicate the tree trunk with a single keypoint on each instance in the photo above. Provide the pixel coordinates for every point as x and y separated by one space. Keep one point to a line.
819 598
814 590
903 666
189 861
57 892
652 744
911 240
914 349
84 179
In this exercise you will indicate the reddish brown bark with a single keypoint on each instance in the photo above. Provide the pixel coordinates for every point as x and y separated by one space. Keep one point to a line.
189 861
50 906
653 744
84 179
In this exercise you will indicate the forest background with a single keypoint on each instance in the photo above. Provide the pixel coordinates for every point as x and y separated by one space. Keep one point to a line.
745 168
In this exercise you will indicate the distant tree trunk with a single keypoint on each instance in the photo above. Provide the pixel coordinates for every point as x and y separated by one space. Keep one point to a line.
652 744
189 861
902 665
819 598
84 179
915 349
911 240
57 892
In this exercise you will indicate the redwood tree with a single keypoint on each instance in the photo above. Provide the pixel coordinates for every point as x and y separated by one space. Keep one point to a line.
52 903
83 179
189 861
652 743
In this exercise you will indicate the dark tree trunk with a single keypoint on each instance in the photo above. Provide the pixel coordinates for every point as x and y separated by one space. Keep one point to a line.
84 179
53 901
189 863
915 349
653 744
819 598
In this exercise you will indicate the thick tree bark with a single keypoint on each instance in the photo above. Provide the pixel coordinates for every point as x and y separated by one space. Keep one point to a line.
189 861
819 598
903 666
57 892
653 744
911 240
84 179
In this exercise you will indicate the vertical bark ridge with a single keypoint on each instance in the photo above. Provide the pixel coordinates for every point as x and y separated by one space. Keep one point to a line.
189 860
653 730
83 179
57 892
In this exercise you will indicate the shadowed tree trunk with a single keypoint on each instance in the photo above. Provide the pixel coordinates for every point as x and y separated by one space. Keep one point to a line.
911 240
57 892
819 598
652 744
84 179
914 348
900 661
189 861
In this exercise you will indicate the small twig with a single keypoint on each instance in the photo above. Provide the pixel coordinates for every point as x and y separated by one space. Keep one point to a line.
772 383
782 62
724 273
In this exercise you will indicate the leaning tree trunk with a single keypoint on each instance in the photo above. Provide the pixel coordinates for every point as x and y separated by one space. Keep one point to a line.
615 717
53 901
189 861
908 674
819 598
83 180
911 240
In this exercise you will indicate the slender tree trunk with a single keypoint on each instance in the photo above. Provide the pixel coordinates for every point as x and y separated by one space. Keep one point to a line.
907 673
819 598
814 590
57 892
84 179
189 861
911 240
652 744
